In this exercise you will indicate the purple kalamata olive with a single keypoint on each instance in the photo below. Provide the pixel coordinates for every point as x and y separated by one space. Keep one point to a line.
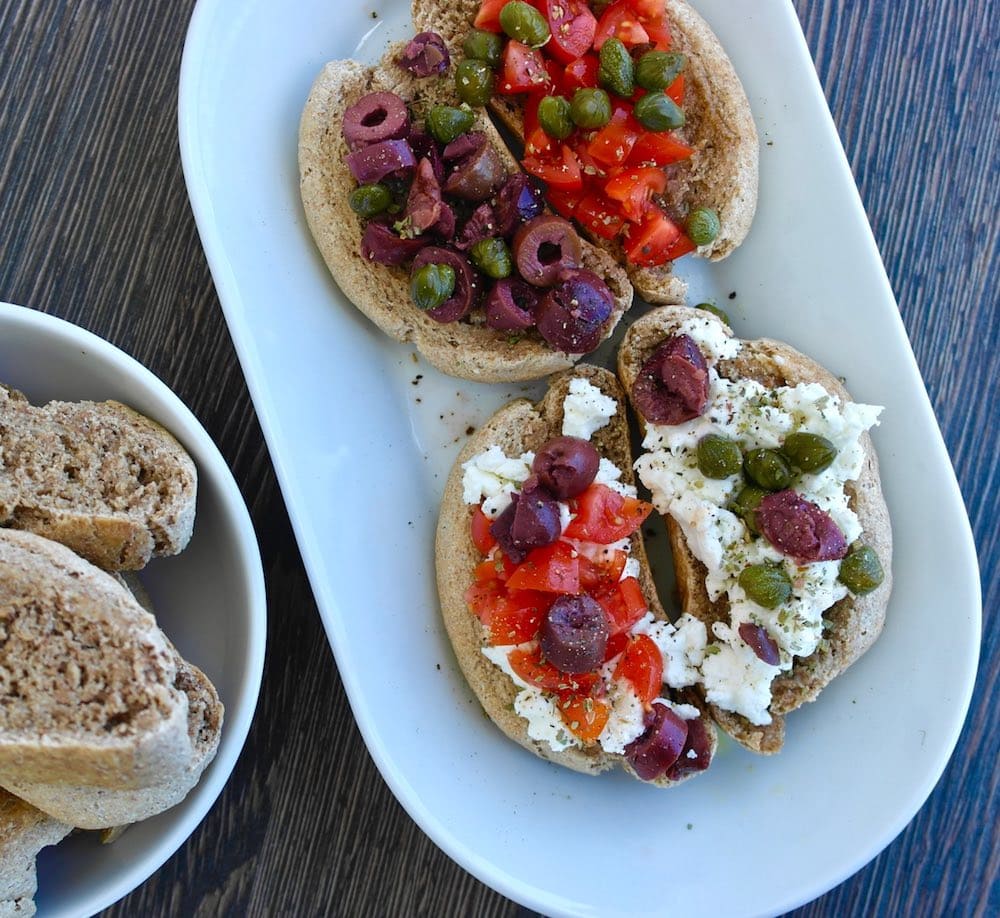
425 55
378 160
376 117
696 754
545 248
424 146
510 305
467 286
531 521
464 145
445 226
660 744
574 634
760 642
480 225
380 244
477 174
573 315
518 201
799 528
672 386
566 466
423 204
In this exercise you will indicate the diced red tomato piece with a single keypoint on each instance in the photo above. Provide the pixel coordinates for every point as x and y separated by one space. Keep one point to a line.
530 666
572 25
613 143
483 597
624 605
482 538
642 665
517 619
580 74
621 22
552 569
676 89
656 241
647 10
522 69
536 141
659 33
602 573
598 216
605 516
560 173
499 567
563 202
633 188
658 150
488 17
585 716
616 644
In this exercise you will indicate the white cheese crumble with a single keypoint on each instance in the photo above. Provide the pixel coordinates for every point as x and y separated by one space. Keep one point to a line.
609 474
586 409
490 478
683 647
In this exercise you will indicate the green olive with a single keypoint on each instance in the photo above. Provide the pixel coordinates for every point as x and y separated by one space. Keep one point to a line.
746 503
767 468
590 108
492 257
719 457
616 71
657 112
483 46
656 70
524 23
703 225
432 286
474 82
861 571
554 117
369 200
445 122
767 585
712 308
809 452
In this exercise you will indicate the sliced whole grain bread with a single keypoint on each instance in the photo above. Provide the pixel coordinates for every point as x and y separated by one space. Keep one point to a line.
98 477
518 427
855 621
24 831
468 349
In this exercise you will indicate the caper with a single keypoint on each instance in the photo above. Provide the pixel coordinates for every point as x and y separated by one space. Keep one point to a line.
590 108
474 82
656 70
861 571
369 200
767 585
657 112
432 286
492 257
523 22
445 122
745 504
718 457
712 308
616 71
554 117
767 468
809 452
483 46
703 225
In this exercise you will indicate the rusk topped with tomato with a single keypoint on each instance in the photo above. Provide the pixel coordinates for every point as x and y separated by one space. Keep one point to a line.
546 592
631 188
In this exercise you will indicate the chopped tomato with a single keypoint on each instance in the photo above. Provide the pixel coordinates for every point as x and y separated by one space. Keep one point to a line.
616 644
659 33
647 10
536 141
624 605
621 22
642 665
572 25
552 569
599 216
482 538
613 143
604 572
658 150
559 173
633 188
605 516
517 619
488 17
676 89
581 74
585 716
499 567
483 597
656 241
563 202
530 666
523 69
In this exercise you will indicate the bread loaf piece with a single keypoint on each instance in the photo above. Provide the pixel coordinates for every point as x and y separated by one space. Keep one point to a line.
24 831
96 476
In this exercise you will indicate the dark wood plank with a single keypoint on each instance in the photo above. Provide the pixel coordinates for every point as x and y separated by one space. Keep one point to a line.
95 227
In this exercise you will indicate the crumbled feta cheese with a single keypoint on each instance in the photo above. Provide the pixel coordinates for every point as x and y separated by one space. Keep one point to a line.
544 722
610 475
586 409
710 336
631 568
735 678
624 722
683 648
491 477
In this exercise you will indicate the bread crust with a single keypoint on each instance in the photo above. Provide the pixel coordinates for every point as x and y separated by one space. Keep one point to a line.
516 428
463 349
855 621
24 831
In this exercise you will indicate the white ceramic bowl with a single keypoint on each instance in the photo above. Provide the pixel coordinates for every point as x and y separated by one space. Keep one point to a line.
209 599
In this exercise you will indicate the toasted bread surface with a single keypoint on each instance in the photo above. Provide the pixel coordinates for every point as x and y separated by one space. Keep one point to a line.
24 831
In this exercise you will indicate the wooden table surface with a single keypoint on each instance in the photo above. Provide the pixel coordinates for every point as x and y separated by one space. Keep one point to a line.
95 227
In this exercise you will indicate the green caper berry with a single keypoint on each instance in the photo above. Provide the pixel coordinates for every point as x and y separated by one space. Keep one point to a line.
483 46
524 23
712 308
554 117
745 504
616 71
492 257
767 468
809 452
446 122
432 286
590 108
656 70
861 571
767 585
719 457
474 82
703 226
369 200
657 112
